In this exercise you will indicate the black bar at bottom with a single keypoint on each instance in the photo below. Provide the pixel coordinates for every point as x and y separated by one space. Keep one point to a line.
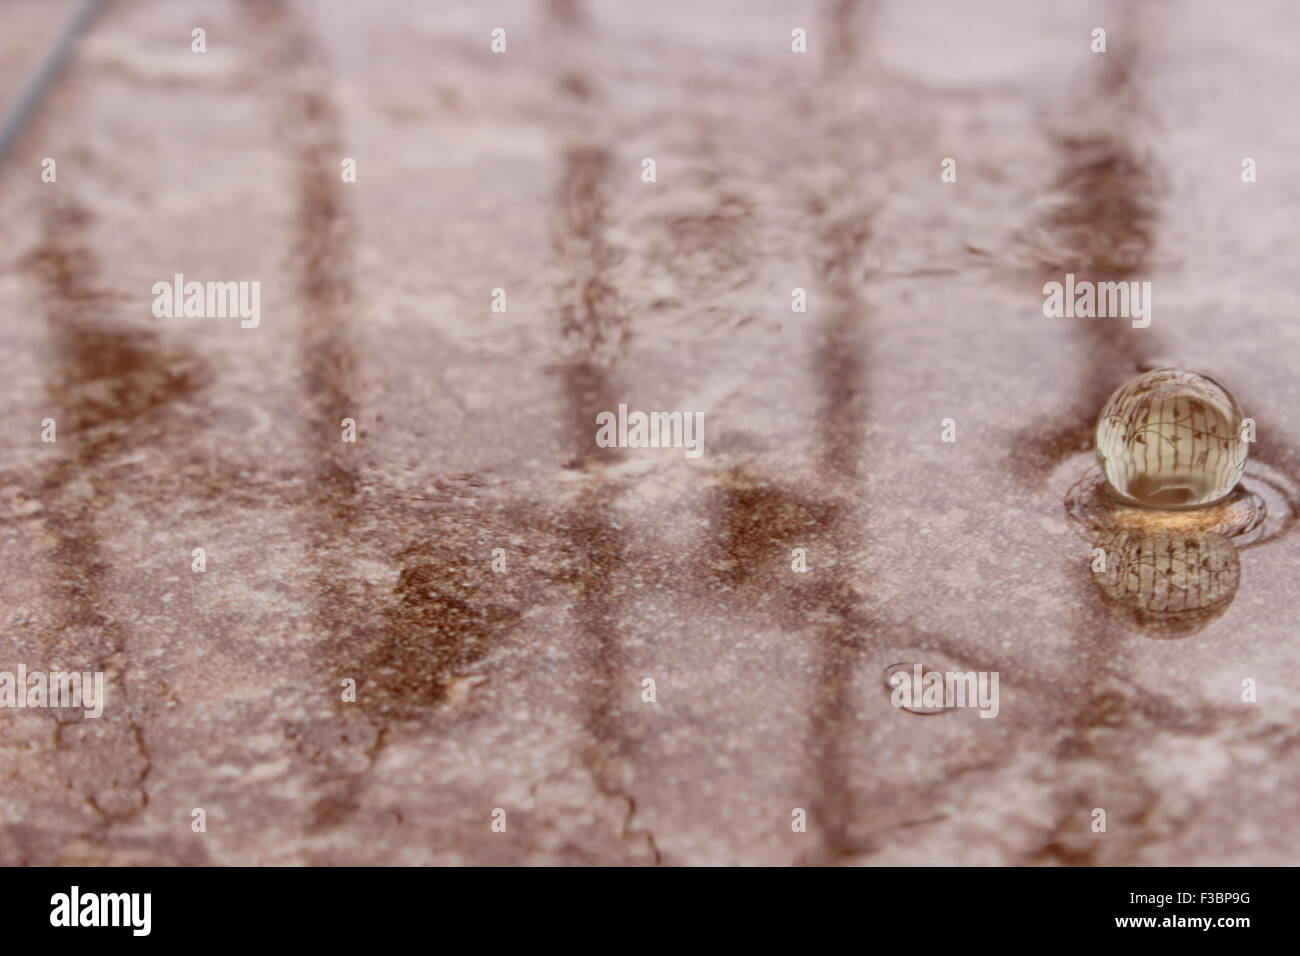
333 906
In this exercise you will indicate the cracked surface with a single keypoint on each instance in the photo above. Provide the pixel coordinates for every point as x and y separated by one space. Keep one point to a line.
522 689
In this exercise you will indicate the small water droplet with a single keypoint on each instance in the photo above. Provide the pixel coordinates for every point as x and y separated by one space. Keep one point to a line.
908 670
1171 439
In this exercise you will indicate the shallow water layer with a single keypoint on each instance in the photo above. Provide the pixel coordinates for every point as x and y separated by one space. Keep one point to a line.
498 586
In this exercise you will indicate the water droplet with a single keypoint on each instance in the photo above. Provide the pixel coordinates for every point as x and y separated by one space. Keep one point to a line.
1171 439
906 672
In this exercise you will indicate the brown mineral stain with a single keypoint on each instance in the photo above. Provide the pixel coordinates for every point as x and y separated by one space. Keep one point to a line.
1102 225
101 377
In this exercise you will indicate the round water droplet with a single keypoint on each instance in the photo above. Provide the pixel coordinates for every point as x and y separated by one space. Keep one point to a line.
1171 439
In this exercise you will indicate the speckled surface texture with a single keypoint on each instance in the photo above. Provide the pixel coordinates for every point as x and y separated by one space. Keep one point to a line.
522 689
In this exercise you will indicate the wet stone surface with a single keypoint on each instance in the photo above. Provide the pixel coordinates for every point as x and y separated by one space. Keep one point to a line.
522 689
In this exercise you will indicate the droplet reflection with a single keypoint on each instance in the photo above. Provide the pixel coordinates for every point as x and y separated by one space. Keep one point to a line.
1170 574
1169 583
